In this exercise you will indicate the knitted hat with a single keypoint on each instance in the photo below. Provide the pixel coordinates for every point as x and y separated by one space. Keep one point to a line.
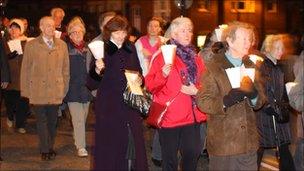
18 23
76 22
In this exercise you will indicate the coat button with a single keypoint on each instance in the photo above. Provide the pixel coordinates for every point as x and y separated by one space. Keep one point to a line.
243 127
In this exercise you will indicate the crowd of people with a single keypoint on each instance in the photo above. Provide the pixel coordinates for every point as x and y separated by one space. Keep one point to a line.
57 71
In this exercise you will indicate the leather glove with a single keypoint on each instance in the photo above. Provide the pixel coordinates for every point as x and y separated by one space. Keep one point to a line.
281 117
248 88
234 96
270 111
12 55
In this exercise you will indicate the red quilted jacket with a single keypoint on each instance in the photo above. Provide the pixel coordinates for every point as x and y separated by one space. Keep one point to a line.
180 112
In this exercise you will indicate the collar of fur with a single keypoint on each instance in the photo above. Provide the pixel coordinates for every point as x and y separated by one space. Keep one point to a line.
111 48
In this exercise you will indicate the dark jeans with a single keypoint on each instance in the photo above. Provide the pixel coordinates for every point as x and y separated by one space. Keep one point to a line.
185 139
16 106
46 125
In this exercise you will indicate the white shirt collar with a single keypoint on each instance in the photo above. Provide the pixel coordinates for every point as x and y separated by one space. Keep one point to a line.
118 46
46 39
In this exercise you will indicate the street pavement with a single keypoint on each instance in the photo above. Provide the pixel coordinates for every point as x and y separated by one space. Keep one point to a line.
20 151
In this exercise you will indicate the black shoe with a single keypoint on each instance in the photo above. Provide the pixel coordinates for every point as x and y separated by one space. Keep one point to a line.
45 156
52 154
156 162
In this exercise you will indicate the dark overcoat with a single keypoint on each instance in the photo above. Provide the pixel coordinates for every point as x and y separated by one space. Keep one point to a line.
4 67
114 119
274 87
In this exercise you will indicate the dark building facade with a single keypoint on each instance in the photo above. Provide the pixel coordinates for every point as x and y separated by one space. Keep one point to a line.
269 16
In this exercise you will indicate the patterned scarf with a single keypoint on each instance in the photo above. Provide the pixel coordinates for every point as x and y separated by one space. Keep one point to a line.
187 55
80 47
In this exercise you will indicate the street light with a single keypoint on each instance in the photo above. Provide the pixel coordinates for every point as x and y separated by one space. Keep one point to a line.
183 5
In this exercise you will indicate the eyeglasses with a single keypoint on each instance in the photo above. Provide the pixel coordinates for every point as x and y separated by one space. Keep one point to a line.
76 33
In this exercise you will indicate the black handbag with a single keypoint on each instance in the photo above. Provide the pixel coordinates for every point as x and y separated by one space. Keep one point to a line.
141 103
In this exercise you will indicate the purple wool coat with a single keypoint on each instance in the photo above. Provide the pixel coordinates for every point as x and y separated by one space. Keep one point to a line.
115 121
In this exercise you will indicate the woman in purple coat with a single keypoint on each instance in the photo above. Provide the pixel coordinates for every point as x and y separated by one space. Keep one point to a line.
119 141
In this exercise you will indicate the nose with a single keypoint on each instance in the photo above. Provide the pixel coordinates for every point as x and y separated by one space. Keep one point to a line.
121 35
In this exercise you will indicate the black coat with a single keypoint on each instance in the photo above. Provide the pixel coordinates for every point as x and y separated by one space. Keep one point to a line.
114 119
78 91
4 67
274 87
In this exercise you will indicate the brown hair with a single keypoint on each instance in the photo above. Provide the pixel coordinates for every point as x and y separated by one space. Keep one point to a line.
117 23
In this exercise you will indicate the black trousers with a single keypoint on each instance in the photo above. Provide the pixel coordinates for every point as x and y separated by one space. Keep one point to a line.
16 106
185 139
46 125
286 161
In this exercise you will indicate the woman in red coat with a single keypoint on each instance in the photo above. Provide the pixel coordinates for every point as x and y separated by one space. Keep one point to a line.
178 81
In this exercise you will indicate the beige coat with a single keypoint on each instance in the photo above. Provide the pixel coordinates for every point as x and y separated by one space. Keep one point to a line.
45 72
233 131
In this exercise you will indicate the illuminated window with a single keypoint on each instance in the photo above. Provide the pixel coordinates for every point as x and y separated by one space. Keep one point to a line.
242 6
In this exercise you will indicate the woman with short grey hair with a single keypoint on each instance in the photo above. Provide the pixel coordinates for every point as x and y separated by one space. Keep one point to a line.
178 82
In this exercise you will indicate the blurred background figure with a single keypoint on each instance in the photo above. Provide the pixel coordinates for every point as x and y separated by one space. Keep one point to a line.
273 118
102 21
296 96
4 27
58 15
148 44
17 107
4 73
134 34
78 96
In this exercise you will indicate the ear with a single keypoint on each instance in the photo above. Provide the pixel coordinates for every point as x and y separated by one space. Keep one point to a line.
229 41
41 28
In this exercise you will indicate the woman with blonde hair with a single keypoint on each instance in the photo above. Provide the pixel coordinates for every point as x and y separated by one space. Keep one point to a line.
78 97
273 118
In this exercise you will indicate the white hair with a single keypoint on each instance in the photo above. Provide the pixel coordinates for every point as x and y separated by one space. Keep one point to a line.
177 23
